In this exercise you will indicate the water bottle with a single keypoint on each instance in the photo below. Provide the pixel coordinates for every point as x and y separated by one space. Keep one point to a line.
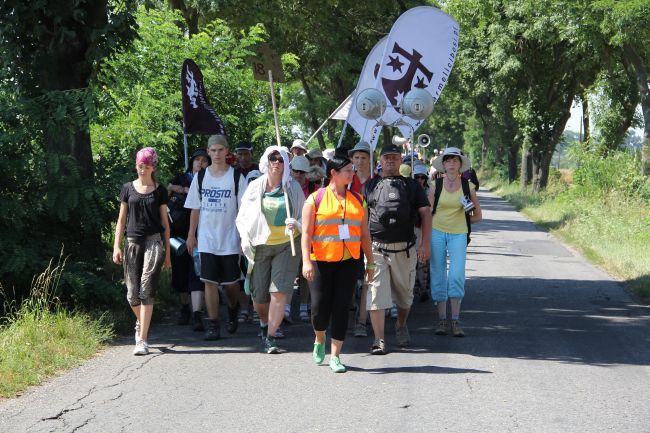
197 262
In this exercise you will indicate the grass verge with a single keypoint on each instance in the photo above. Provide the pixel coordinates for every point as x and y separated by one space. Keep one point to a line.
611 231
40 338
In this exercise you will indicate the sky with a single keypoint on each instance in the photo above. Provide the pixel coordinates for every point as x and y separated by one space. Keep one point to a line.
576 118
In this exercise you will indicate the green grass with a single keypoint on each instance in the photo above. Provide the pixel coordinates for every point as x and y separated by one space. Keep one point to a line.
40 338
610 230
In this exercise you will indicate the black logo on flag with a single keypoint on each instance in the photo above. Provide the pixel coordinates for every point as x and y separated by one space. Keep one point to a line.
396 89
198 115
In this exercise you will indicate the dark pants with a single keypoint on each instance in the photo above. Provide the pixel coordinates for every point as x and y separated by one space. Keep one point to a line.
331 295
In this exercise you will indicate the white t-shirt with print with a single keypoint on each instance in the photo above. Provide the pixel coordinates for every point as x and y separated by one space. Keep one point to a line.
216 232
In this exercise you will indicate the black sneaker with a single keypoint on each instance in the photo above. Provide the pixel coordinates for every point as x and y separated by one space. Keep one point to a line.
213 330
184 316
197 321
233 320
270 346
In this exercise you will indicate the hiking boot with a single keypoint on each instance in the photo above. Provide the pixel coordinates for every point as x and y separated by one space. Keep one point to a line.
197 322
137 332
319 353
378 347
402 336
213 330
287 320
443 327
141 348
233 320
336 365
270 346
456 330
184 316
360 330
393 312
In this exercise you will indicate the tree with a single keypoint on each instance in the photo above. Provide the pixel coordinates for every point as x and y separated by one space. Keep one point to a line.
624 23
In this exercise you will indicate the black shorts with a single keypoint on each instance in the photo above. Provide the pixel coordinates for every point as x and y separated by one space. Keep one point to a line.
183 277
220 269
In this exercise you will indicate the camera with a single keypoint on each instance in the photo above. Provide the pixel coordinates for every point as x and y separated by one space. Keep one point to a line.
467 204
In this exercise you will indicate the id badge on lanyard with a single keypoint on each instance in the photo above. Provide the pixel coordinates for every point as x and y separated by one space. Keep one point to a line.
344 232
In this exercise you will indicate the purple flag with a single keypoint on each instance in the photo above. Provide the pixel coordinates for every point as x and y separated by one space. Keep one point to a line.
198 115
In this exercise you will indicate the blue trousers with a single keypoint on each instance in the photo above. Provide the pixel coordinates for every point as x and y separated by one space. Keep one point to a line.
447 283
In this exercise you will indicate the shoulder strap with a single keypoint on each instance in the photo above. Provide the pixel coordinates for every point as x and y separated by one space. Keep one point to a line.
358 197
319 197
465 184
236 175
436 194
200 180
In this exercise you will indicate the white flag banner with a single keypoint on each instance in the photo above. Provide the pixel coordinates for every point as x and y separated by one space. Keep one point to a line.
367 79
343 111
419 52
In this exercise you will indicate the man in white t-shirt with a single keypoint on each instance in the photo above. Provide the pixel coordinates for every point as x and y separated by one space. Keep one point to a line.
214 210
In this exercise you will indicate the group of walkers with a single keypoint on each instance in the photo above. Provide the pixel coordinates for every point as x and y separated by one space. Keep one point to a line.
332 227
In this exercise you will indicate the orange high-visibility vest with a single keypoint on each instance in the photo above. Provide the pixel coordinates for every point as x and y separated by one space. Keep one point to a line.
326 245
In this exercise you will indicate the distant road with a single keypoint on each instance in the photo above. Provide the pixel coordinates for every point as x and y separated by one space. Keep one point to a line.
553 345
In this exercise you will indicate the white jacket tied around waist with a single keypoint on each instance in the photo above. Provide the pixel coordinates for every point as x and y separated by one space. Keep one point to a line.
251 223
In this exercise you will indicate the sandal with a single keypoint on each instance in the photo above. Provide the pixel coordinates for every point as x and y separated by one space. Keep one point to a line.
378 347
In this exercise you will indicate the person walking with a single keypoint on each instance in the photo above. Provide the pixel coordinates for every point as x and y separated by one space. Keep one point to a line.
393 202
360 156
267 231
450 236
214 197
184 279
143 212
335 230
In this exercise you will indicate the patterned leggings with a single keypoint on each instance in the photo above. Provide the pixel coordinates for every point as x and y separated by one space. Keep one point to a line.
143 261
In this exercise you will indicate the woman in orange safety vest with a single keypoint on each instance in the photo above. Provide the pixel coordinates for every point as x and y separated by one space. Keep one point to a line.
335 230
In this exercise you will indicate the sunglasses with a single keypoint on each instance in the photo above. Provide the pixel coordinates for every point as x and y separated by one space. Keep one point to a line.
276 158
299 171
421 177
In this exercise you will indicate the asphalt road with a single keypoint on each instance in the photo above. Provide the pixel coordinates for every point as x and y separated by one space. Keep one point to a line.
553 345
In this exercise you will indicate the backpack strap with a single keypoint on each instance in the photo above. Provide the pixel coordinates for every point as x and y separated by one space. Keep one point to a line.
236 175
436 194
321 193
465 184
200 180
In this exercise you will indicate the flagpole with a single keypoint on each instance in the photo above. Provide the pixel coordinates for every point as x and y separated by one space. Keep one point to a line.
330 116
185 149
277 136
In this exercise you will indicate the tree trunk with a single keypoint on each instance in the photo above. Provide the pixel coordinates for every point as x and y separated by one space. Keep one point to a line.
541 167
526 166
512 162
190 15
644 89
485 141
585 118
310 110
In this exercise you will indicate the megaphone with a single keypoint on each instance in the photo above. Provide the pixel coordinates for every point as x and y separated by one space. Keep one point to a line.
424 140
399 141
417 104
371 104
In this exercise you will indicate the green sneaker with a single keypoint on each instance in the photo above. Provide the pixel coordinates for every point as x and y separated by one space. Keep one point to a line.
270 346
336 366
319 353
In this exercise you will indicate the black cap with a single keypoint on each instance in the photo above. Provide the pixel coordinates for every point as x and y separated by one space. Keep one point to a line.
244 145
391 148
196 154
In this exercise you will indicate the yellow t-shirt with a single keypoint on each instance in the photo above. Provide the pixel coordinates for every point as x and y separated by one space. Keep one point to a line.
450 216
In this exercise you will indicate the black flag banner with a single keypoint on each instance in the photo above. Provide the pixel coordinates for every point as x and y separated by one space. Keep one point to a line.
198 115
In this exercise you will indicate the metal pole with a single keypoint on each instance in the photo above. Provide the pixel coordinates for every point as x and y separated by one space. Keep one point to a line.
185 150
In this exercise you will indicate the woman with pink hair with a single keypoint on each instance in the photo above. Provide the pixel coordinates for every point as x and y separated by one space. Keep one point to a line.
143 213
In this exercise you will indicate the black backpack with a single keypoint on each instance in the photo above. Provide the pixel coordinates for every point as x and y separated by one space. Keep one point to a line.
179 217
436 196
390 209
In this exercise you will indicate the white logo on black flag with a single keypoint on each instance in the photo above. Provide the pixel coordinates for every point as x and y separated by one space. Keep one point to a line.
198 115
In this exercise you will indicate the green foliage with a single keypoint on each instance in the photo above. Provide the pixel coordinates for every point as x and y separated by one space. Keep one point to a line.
141 96
39 338
616 175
